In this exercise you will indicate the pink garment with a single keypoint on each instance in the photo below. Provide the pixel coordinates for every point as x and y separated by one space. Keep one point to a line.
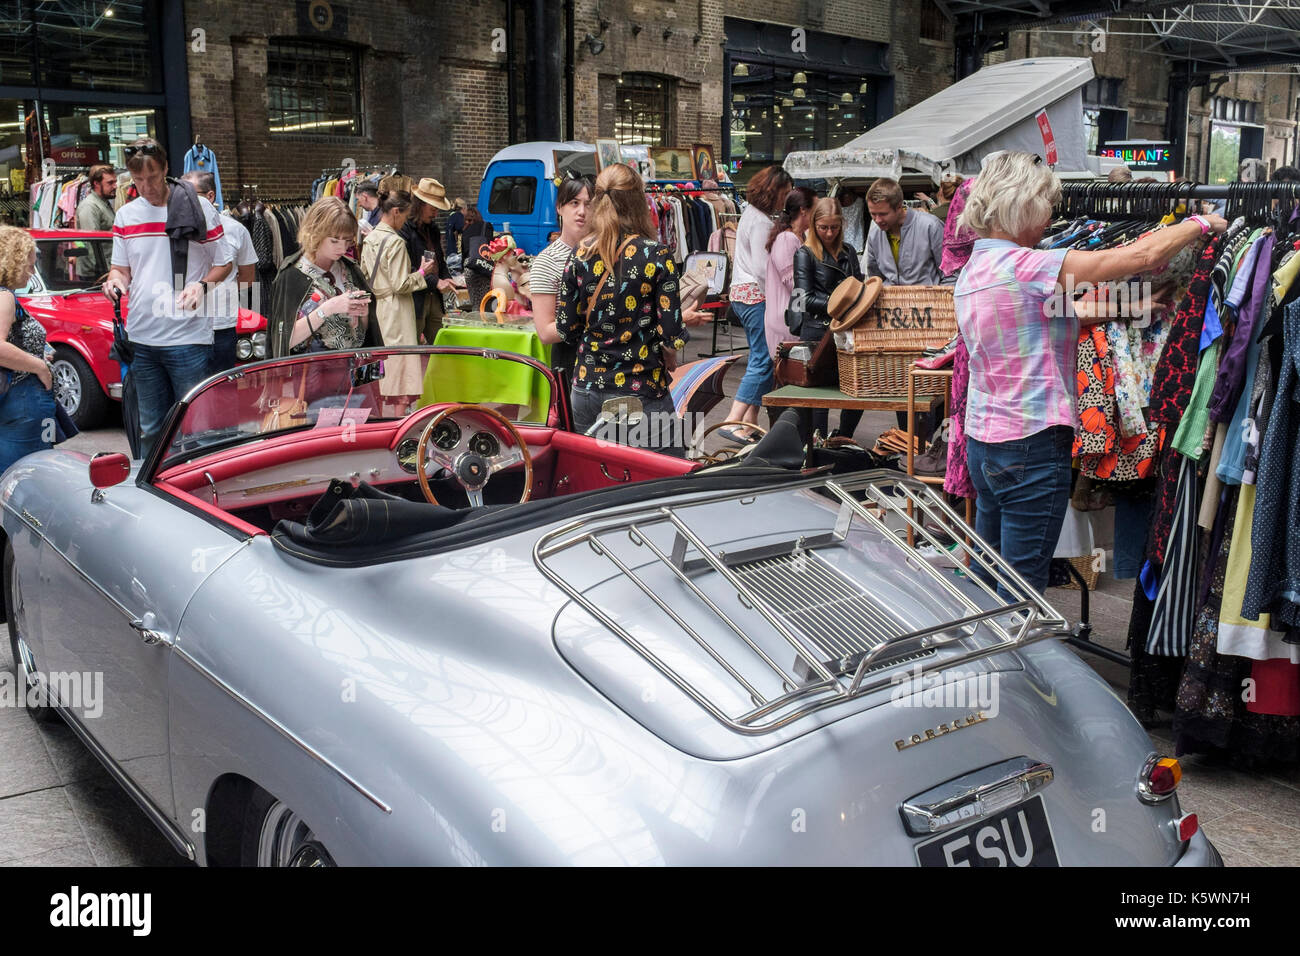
779 286
956 479
1022 355
957 246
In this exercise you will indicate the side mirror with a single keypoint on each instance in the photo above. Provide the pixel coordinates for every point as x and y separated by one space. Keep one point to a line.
109 468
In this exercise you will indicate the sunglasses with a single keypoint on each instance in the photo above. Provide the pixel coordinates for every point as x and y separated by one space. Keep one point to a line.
148 149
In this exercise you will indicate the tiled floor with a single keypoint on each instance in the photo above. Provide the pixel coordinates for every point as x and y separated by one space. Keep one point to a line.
59 807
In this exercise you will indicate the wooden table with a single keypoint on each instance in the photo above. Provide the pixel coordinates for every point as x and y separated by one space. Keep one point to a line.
793 396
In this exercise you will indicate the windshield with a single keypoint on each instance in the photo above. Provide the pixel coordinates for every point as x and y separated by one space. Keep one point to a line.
331 389
68 264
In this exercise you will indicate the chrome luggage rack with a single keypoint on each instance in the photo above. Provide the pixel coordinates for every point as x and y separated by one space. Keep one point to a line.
842 636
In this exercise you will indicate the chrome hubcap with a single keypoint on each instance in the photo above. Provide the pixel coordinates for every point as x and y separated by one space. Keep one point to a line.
67 386
286 840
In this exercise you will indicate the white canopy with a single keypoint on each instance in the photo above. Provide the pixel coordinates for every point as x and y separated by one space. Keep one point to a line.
954 129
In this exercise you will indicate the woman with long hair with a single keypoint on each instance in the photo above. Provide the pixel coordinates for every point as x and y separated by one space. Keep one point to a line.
782 243
572 202
618 306
27 408
385 261
766 196
820 264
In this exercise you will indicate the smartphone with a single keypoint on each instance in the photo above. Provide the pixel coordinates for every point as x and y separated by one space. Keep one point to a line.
358 294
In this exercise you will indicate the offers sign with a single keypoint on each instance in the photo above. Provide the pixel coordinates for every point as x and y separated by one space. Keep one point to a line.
1049 141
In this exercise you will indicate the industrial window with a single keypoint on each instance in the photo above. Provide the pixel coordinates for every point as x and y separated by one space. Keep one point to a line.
642 107
933 24
1102 91
313 88
1233 111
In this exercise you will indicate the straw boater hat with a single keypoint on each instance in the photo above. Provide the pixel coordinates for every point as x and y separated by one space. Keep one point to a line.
851 300
432 192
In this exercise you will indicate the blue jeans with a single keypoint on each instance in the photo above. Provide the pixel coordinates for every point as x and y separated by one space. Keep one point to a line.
223 350
1022 490
26 420
163 375
757 380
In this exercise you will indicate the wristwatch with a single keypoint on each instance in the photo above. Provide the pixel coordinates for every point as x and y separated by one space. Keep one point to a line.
204 283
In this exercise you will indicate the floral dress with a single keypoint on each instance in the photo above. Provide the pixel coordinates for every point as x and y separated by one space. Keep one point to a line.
637 317
336 332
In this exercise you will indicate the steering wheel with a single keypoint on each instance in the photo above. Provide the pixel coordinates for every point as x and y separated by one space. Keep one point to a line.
469 467
694 452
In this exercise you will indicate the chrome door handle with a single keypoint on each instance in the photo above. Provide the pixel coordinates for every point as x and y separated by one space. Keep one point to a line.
627 475
148 633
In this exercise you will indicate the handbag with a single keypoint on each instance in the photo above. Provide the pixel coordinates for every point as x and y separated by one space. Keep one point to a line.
813 372
287 413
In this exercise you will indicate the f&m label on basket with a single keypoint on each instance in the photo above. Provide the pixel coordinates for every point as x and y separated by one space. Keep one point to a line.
914 317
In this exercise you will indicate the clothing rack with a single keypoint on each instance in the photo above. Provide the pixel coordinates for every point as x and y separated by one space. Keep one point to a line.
1153 200
686 187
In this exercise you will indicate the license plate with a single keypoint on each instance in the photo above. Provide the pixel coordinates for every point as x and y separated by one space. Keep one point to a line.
1019 836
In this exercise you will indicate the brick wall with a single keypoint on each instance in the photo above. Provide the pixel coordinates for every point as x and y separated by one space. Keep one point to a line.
434 85
431 106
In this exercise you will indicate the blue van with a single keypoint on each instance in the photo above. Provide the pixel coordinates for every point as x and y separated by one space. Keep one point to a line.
518 189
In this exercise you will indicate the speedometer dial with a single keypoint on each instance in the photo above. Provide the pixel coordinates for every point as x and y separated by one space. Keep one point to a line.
406 451
447 435
485 444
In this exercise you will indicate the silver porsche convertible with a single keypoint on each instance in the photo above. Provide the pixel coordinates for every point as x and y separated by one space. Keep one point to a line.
329 630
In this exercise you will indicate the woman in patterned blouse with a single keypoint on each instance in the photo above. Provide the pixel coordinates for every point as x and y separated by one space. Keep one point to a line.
627 340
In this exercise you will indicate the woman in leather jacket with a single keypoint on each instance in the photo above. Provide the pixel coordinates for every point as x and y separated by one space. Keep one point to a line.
820 264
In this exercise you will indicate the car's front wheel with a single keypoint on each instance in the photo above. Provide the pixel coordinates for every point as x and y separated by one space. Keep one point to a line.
24 666
275 835
77 389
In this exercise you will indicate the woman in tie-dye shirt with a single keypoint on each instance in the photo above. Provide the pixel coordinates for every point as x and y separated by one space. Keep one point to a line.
1015 313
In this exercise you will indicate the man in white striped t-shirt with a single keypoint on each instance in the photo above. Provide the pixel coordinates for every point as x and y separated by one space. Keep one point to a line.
166 322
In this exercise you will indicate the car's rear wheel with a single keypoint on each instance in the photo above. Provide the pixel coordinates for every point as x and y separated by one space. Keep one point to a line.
275 835
24 666
77 389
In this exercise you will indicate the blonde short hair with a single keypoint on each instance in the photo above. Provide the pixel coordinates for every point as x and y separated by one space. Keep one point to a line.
1014 193
16 245
328 216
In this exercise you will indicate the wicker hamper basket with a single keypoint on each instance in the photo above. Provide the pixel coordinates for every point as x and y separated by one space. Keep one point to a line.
875 355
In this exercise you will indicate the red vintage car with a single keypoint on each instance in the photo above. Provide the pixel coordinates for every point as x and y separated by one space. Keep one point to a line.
64 296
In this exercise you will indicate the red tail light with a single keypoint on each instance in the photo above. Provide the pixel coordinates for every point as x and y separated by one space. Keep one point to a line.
1158 779
1165 776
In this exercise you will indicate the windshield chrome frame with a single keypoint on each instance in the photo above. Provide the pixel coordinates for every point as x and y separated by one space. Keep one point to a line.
153 464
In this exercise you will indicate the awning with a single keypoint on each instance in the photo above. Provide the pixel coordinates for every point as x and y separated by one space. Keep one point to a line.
992 109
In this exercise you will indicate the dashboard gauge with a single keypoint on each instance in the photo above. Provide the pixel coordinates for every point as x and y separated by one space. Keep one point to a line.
485 444
406 451
447 435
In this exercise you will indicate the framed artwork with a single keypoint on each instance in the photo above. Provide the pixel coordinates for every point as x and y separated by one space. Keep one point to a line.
704 276
607 153
705 166
671 163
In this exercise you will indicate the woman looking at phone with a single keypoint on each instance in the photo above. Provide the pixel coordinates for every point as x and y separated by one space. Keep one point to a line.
320 300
